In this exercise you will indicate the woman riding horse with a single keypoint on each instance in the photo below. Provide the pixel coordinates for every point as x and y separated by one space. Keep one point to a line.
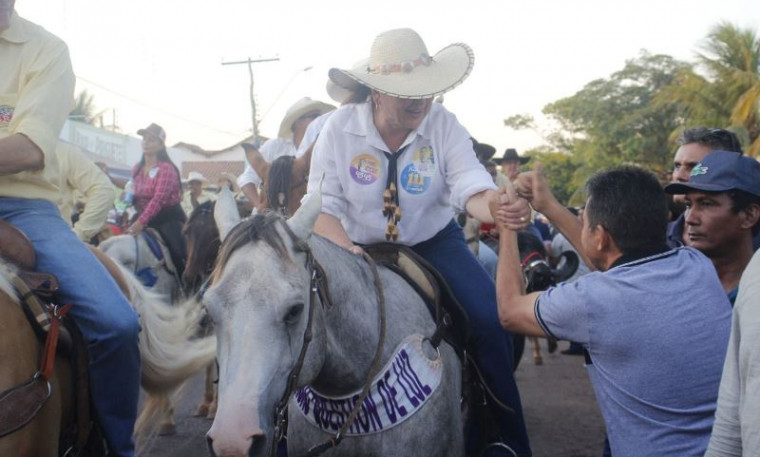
158 193
393 152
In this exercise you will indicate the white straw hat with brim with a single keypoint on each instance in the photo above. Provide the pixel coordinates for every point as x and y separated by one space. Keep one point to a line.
400 65
231 178
196 176
300 108
339 93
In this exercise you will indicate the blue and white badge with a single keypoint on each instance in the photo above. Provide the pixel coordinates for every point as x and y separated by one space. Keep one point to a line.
153 172
417 177
401 389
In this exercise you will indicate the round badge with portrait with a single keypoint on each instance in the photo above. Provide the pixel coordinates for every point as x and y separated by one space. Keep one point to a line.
417 177
365 169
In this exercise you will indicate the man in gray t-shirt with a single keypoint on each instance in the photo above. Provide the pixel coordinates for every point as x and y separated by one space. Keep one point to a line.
654 321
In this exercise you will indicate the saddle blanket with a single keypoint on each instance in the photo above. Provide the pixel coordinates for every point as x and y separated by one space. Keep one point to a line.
401 388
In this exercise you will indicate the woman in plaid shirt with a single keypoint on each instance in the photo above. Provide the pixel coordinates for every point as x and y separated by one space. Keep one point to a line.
158 193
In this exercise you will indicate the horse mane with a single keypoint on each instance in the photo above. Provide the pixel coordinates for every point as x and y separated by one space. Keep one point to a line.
279 182
261 227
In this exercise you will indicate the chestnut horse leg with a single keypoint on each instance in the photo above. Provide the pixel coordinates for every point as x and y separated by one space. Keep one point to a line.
537 359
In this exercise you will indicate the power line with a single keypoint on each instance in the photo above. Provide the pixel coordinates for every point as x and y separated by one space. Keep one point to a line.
148 105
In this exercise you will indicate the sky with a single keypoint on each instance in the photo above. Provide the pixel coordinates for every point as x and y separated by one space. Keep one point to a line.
161 60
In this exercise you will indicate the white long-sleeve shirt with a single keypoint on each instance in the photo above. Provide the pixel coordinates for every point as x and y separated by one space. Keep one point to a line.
736 431
271 150
437 173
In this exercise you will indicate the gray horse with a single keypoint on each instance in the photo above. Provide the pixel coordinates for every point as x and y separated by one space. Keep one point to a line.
133 252
261 299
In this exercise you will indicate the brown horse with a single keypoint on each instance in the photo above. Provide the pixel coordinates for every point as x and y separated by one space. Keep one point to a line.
285 181
202 242
19 354
169 358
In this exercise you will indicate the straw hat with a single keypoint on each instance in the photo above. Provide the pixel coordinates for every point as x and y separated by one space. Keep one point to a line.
196 176
231 178
300 108
400 65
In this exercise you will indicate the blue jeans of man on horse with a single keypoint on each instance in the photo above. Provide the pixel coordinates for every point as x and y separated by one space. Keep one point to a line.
474 288
106 319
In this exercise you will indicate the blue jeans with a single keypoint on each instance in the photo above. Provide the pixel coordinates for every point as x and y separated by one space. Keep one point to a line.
105 317
488 258
475 290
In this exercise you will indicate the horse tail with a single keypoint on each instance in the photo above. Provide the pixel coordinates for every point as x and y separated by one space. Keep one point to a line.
169 350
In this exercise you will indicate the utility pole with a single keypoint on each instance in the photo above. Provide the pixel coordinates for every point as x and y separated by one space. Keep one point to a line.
250 63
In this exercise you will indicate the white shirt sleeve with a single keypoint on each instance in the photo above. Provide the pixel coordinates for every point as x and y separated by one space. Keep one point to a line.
323 163
465 175
248 177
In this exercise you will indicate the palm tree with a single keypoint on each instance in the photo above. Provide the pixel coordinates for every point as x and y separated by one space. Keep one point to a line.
84 109
728 94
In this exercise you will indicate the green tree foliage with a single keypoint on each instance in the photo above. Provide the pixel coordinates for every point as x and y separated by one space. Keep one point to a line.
614 121
559 169
723 90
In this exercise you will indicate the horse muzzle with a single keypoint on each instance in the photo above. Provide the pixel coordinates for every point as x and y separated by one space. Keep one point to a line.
254 445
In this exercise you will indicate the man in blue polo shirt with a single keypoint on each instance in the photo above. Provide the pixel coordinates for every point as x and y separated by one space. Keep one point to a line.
722 212
655 321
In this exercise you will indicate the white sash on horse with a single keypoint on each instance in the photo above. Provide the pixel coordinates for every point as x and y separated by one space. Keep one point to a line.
401 389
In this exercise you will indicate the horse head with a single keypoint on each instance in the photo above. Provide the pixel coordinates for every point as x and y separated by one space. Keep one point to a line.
202 241
285 184
260 295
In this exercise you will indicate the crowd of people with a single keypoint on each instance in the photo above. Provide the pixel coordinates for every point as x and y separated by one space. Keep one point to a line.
665 312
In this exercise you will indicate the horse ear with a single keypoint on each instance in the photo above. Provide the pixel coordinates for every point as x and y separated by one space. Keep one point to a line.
302 222
226 214
257 161
568 269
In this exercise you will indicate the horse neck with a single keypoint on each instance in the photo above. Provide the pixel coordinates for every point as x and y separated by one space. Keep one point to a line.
352 321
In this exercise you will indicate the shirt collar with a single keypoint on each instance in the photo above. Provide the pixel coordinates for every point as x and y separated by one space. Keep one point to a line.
17 32
633 256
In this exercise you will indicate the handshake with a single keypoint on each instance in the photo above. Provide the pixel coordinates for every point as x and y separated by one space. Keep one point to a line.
511 209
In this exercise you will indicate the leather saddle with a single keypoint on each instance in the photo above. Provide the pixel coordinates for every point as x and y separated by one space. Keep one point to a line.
430 285
37 290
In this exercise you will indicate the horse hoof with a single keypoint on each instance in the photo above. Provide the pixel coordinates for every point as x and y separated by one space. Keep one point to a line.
202 411
538 361
552 345
167 430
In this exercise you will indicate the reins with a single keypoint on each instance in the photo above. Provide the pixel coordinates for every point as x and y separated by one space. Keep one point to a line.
317 286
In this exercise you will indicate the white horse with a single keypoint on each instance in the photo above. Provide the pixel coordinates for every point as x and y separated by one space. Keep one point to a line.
262 304
134 254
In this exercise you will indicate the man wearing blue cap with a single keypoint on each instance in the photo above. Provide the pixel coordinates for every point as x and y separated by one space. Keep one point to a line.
722 200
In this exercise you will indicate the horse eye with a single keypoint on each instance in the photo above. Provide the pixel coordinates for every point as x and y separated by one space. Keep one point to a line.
293 313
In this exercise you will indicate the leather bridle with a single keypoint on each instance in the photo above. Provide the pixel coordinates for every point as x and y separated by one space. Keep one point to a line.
318 287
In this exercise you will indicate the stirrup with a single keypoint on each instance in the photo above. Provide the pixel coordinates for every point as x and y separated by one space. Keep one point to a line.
499 446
